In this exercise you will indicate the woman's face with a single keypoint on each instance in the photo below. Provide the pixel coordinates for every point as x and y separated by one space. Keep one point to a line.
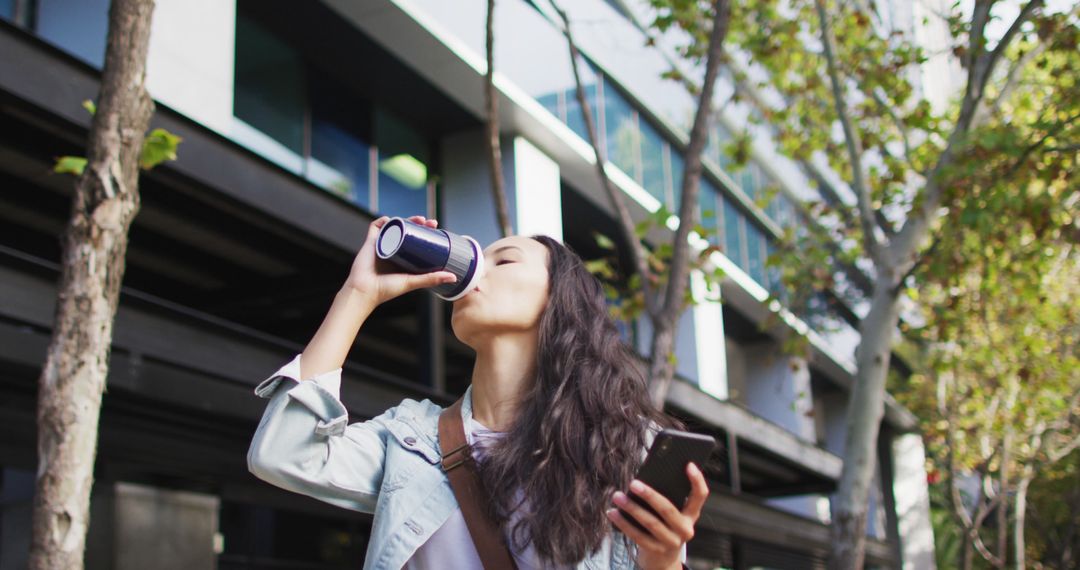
510 296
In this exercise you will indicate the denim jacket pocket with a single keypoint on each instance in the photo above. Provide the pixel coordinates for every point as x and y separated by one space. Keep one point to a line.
414 453
409 437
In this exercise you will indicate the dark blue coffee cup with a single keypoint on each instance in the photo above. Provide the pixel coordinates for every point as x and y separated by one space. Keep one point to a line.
419 249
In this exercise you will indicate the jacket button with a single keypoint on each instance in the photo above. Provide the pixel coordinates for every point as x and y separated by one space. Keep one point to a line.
410 441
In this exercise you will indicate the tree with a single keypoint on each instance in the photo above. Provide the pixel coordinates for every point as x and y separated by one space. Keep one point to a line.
94 245
999 388
848 97
662 271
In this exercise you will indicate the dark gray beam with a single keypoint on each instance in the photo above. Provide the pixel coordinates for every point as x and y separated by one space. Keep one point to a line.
753 429
212 349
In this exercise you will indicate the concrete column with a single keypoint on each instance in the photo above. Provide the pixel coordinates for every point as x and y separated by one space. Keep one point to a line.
190 60
912 503
778 388
709 345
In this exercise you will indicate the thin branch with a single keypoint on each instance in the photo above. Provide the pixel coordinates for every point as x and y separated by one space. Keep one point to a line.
626 223
999 50
888 108
851 139
980 66
491 140
987 109
699 134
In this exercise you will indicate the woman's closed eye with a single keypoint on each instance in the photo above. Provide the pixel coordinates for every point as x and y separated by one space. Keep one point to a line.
502 261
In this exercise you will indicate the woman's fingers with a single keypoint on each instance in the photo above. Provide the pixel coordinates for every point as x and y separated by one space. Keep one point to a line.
663 531
424 221
699 491
413 282
640 537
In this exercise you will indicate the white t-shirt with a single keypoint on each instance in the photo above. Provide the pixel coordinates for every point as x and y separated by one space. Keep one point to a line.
451 546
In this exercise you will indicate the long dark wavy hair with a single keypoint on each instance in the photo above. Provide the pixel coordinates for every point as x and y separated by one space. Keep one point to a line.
580 432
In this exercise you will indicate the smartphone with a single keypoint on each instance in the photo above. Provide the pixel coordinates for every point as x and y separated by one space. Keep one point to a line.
664 468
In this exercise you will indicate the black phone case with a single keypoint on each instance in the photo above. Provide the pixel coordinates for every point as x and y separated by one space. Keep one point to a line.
664 468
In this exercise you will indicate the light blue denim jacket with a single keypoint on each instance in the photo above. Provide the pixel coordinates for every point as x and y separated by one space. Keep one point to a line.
388 466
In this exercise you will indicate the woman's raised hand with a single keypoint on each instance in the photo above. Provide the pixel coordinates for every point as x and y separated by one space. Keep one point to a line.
661 546
379 280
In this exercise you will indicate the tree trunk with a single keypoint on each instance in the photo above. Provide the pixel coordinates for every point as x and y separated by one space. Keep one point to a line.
967 551
1021 515
661 365
1003 504
491 127
865 410
105 202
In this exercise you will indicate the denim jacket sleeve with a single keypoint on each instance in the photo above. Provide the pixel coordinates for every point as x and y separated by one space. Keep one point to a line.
305 444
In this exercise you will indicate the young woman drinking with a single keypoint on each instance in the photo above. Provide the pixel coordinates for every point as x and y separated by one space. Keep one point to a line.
557 414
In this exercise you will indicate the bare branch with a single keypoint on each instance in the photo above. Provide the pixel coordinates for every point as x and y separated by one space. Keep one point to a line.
999 50
987 109
626 223
491 140
888 108
980 66
851 139
680 262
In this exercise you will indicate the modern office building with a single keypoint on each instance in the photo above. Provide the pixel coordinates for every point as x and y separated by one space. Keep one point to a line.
301 122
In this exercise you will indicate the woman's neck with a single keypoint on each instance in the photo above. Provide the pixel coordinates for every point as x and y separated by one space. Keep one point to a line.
504 370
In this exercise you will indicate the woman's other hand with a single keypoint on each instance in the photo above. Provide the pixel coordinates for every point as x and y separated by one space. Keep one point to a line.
660 548
379 280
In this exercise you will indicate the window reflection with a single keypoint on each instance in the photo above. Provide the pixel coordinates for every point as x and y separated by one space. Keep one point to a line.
574 119
78 27
755 256
269 92
403 159
707 210
340 154
622 132
653 177
733 223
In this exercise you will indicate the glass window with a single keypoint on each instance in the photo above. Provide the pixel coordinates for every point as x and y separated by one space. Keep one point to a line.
78 27
6 9
773 274
746 180
718 139
781 210
340 153
269 92
733 223
551 103
622 131
574 119
652 162
707 209
755 254
403 160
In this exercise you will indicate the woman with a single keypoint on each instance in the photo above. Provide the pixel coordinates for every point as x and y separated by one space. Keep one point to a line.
557 413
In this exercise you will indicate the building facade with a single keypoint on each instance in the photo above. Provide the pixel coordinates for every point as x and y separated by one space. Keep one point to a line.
302 122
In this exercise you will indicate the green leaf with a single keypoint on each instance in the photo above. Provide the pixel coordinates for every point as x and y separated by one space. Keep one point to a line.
70 165
90 106
603 241
160 145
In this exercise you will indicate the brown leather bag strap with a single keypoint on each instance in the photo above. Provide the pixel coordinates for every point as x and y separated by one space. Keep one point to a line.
461 471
